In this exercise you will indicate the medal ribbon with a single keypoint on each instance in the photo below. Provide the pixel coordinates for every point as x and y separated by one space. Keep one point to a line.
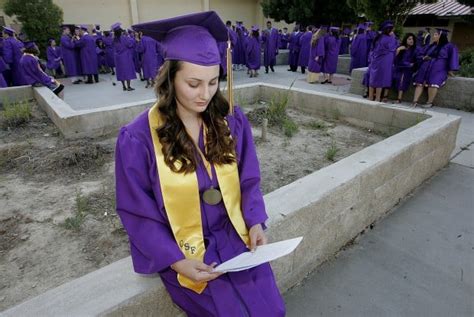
182 202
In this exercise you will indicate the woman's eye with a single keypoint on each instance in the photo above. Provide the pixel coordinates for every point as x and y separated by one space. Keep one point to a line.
193 85
213 83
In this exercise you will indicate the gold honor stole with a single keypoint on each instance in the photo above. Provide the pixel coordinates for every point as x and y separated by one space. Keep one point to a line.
183 204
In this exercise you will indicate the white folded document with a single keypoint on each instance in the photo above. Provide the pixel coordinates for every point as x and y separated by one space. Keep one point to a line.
263 254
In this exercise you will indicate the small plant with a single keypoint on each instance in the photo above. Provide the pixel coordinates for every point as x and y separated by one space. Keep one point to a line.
82 208
15 114
335 114
332 151
289 127
317 125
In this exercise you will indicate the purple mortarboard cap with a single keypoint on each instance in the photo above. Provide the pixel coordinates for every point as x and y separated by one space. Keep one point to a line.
97 26
346 31
255 28
115 26
362 26
369 23
334 28
30 44
191 38
8 30
84 27
441 31
386 24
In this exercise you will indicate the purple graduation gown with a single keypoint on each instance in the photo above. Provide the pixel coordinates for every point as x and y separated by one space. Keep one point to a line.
434 72
380 68
270 46
294 48
109 50
124 66
12 53
3 67
238 52
153 248
32 72
70 55
331 54
253 53
344 48
316 50
305 44
53 55
148 47
88 54
359 51
403 68
284 39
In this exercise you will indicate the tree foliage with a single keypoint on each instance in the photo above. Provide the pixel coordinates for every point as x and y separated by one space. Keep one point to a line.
308 12
40 19
467 2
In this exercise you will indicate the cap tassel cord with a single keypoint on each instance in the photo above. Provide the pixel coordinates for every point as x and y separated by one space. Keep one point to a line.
230 94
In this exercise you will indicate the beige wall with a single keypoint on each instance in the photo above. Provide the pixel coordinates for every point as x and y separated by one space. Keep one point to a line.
149 10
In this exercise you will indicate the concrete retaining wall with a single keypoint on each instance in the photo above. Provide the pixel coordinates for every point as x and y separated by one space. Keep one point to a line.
328 207
458 93
16 94
343 64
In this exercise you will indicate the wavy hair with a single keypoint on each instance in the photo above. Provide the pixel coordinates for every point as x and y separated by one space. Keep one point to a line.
178 147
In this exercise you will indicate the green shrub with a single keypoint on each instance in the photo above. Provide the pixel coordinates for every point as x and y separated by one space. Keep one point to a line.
82 208
289 127
15 114
467 63
332 151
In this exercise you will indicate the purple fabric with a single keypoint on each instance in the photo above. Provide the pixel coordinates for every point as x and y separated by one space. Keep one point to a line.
100 57
316 51
294 48
12 53
3 83
148 47
153 248
284 40
53 55
109 50
70 55
331 54
380 68
223 52
359 51
254 53
403 68
125 69
135 54
238 51
435 71
270 46
305 44
32 71
370 35
344 49
87 54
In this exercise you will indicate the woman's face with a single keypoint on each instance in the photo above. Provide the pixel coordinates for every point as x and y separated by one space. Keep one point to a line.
410 41
435 37
195 85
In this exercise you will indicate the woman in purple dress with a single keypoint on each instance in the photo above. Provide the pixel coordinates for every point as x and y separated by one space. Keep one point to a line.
187 180
359 49
253 51
148 48
404 65
53 56
439 60
123 54
108 41
331 54
316 55
305 44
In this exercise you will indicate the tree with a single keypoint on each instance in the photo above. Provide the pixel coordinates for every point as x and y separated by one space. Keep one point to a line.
308 12
467 2
40 19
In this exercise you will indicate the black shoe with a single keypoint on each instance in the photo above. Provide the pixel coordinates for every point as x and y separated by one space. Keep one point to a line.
329 82
76 82
113 73
89 82
271 67
130 88
124 88
266 70
289 69
324 82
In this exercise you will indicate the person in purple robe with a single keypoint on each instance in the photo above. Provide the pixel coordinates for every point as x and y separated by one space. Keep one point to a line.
238 52
294 49
345 41
270 47
101 62
53 56
124 66
359 49
88 55
438 61
177 147
3 66
108 39
305 45
284 38
148 47
405 65
427 37
316 55
370 34
253 51
137 57
32 72
382 56
70 56
12 53
332 45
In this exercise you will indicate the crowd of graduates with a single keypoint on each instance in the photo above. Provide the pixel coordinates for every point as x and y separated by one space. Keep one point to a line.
83 53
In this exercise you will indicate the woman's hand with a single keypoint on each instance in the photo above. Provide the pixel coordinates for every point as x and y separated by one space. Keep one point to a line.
257 237
195 270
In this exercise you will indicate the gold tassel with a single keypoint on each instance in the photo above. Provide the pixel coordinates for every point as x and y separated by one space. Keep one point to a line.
230 95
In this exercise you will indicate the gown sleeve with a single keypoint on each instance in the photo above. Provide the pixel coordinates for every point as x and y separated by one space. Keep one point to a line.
253 206
453 62
152 245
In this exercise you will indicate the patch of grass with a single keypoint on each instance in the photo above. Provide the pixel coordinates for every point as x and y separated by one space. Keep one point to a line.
289 127
15 114
331 152
317 125
82 208
335 114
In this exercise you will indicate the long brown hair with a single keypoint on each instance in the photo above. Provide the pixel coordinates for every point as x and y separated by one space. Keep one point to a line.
178 147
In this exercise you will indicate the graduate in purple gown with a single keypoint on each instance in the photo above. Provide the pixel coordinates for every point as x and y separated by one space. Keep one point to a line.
32 72
305 45
192 143
148 47
12 53
332 45
382 56
238 52
100 49
123 56
108 40
270 46
316 55
294 48
345 41
137 61
404 65
253 51
370 34
284 39
3 66
359 49
70 56
437 61
88 55
53 56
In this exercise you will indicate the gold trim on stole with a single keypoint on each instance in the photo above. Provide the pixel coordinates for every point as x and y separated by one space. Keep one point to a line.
183 204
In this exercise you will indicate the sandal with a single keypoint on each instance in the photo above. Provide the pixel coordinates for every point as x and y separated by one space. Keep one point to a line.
414 104
427 106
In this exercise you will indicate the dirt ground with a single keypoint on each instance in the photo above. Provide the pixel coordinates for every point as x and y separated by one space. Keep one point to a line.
57 214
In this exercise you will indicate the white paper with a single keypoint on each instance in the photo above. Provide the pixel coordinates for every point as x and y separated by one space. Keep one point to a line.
263 254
